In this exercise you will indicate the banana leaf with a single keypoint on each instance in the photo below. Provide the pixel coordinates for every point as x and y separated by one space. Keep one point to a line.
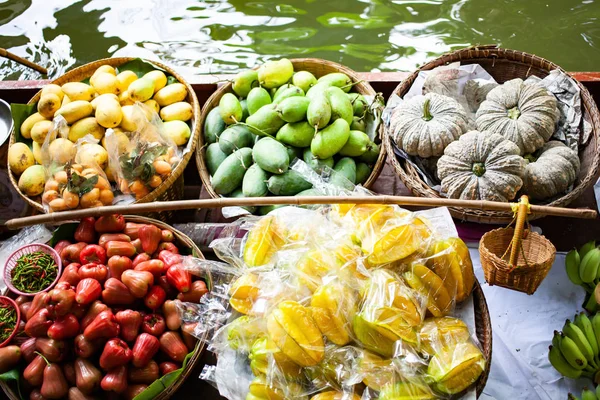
13 378
63 232
140 67
162 383
20 112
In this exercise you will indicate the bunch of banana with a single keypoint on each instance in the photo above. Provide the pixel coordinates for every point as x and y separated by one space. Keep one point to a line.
583 269
575 351
586 394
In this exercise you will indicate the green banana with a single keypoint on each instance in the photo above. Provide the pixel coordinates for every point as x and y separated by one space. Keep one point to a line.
588 269
571 352
572 262
587 394
573 332
584 323
560 364
586 248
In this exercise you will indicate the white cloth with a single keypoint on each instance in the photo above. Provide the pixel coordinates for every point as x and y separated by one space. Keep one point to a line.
522 328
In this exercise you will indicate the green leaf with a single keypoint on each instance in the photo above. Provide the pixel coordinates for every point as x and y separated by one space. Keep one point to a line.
13 376
63 232
140 67
20 112
171 79
162 383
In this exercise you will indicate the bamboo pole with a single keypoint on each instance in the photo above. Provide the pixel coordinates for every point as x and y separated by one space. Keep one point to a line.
21 60
158 206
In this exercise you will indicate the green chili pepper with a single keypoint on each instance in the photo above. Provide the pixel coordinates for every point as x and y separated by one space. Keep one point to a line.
34 272
8 321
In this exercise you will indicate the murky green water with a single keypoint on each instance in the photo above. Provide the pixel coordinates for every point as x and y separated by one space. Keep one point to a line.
200 37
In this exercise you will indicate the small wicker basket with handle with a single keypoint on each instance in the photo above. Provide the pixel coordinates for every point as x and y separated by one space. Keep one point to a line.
516 258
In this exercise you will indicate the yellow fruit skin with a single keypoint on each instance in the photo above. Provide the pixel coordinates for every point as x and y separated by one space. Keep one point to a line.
85 126
75 110
48 105
426 282
333 395
243 293
181 111
158 78
313 266
451 261
53 89
263 241
109 113
109 69
153 105
442 332
406 391
178 131
103 97
104 82
40 130
243 332
78 91
132 116
20 158
332 307
265 358
29 123
92 151
37 152
376 371
141 89
32 180
61 151
124 79
371 338
170 94
455 368
260 389
293 330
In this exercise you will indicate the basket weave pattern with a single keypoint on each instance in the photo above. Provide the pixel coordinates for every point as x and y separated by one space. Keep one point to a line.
11 262
167 190
503 65
318 68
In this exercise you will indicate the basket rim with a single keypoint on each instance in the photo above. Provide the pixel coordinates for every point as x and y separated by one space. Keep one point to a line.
87 70
227 88
6 299
414 183
48 250
510 231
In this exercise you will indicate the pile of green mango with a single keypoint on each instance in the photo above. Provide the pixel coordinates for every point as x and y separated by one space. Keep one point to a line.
277 114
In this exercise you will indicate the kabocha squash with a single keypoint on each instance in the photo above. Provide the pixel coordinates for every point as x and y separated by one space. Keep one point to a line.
551 171
481 166
424 125
523 113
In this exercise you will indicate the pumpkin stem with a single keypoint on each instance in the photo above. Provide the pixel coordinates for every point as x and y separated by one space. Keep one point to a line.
530 157
514 113
426 115
478 169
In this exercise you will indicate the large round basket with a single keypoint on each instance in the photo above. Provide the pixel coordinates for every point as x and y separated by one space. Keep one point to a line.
172 187
503 65
318 68
169 390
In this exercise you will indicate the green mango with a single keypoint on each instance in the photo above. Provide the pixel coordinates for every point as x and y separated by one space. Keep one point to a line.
287 184
238 194
293 152
214 157
316 90
257 98
213 125
304 80
245 112
230 109
371 155
358 124
275 73
291 91
345 170
235 137
293 109
329 141
254 183
318 112
337 79
264 210
310 192
244 81
297 134
230 173
316 164
271 155
340 104
266 121
356 145
359 104
363 172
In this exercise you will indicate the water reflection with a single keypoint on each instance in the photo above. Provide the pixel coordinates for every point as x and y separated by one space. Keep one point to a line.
200 37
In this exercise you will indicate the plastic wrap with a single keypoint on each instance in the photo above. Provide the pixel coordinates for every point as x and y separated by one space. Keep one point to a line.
75 175
142 159
337 302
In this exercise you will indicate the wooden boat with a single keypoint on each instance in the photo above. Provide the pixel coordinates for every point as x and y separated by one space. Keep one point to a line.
564 233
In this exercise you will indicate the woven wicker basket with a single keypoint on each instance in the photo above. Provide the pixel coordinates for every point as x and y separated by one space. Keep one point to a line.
516 258
170 390
318 68
172 187
503 65
483 330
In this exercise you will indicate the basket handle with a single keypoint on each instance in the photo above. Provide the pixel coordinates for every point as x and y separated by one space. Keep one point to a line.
522 208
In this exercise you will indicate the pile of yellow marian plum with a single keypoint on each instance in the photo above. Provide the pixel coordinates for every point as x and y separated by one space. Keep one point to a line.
70 164
352 299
